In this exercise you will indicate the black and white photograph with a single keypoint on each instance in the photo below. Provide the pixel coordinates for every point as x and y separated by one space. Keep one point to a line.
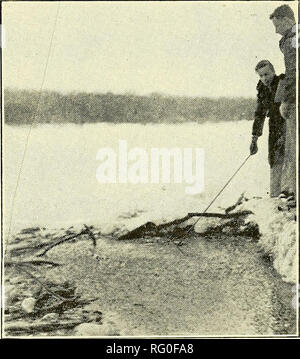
149 171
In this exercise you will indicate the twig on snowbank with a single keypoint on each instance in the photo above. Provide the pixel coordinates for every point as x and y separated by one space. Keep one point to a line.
66 239
60 241
220 215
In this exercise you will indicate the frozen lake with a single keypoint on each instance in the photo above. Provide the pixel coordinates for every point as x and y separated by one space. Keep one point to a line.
58 184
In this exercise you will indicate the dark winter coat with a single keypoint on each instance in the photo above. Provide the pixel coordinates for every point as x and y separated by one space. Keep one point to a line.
287 87
266 107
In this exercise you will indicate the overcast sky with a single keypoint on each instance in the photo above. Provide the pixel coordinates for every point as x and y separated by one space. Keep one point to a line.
178 48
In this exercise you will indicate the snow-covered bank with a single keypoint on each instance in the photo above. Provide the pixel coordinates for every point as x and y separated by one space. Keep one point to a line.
278 233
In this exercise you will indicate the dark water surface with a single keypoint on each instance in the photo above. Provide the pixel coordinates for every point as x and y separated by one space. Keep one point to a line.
218 286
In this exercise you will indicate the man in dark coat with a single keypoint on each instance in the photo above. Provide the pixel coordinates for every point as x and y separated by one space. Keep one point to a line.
266 107
284 22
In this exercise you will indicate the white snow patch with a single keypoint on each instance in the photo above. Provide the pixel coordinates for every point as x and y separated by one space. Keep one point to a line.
278 231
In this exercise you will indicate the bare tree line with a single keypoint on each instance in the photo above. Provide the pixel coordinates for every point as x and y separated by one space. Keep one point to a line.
21 106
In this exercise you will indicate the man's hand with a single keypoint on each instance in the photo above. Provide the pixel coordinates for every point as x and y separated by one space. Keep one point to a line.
253 146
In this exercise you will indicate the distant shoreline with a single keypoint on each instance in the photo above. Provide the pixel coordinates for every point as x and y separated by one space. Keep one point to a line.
23 107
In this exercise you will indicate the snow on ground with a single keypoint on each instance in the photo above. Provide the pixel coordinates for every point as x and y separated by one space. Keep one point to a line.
278 231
